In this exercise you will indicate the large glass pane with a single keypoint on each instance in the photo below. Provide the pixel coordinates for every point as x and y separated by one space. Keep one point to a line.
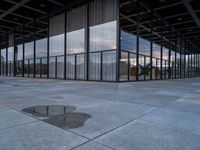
70 67
56 46
3 61
80 66
11 61
95 66
124 67
76 24
109 66
102 33
19 62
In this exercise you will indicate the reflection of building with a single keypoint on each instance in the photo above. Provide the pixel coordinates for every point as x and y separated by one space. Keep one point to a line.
106 40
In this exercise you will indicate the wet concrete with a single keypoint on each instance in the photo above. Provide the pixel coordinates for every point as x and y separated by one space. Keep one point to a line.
153 115
59 115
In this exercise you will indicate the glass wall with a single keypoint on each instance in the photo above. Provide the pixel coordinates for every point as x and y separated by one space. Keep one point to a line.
29 60
83 45
3 61
76 47
56 47
103 38
19 60
10 61
41 58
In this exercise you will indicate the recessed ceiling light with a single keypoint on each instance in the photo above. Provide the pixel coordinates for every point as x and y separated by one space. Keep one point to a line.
179 19
42 5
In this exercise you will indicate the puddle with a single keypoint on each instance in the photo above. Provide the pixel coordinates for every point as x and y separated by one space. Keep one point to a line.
58 115
68 121
49 111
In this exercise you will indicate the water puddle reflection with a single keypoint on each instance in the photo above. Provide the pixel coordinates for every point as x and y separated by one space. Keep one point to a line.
58 115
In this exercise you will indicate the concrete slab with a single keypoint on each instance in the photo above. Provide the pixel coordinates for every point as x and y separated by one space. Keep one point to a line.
93 146
38 136
175 119
10 118
109 117
142 135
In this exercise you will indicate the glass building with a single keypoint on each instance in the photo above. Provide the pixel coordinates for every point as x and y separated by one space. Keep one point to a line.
100 40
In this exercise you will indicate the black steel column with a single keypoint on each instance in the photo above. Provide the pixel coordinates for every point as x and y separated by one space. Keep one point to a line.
176 55
128 66
34 49
161 51
48 49
118 53
7 56
138 38
151 46
87 40
23 55
169 55
65 45
15 54
180 56
184 61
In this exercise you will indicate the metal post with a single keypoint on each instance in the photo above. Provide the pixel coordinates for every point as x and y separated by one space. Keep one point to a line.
48 48
34 49
151 46
23 55
87 40
169 55
118 52
65 45
161 52
138 38
14 55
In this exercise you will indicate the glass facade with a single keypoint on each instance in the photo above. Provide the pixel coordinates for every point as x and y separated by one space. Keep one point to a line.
99 41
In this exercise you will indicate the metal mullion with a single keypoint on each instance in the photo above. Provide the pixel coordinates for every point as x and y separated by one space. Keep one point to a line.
34 49
169 54
56 72
175 59
41 68
14 55
65 44
23 51
161 52
28 67
7 61
48 47
128 71
87 40
144 57
137 41
75 68
101 65
184 61
180 56
118 52
156 67
151 46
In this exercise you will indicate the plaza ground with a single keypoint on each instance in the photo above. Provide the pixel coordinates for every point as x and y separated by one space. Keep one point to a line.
149 115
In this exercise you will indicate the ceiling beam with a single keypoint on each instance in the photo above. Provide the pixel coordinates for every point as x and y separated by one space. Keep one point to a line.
191 11
30 8
57 3
16 6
